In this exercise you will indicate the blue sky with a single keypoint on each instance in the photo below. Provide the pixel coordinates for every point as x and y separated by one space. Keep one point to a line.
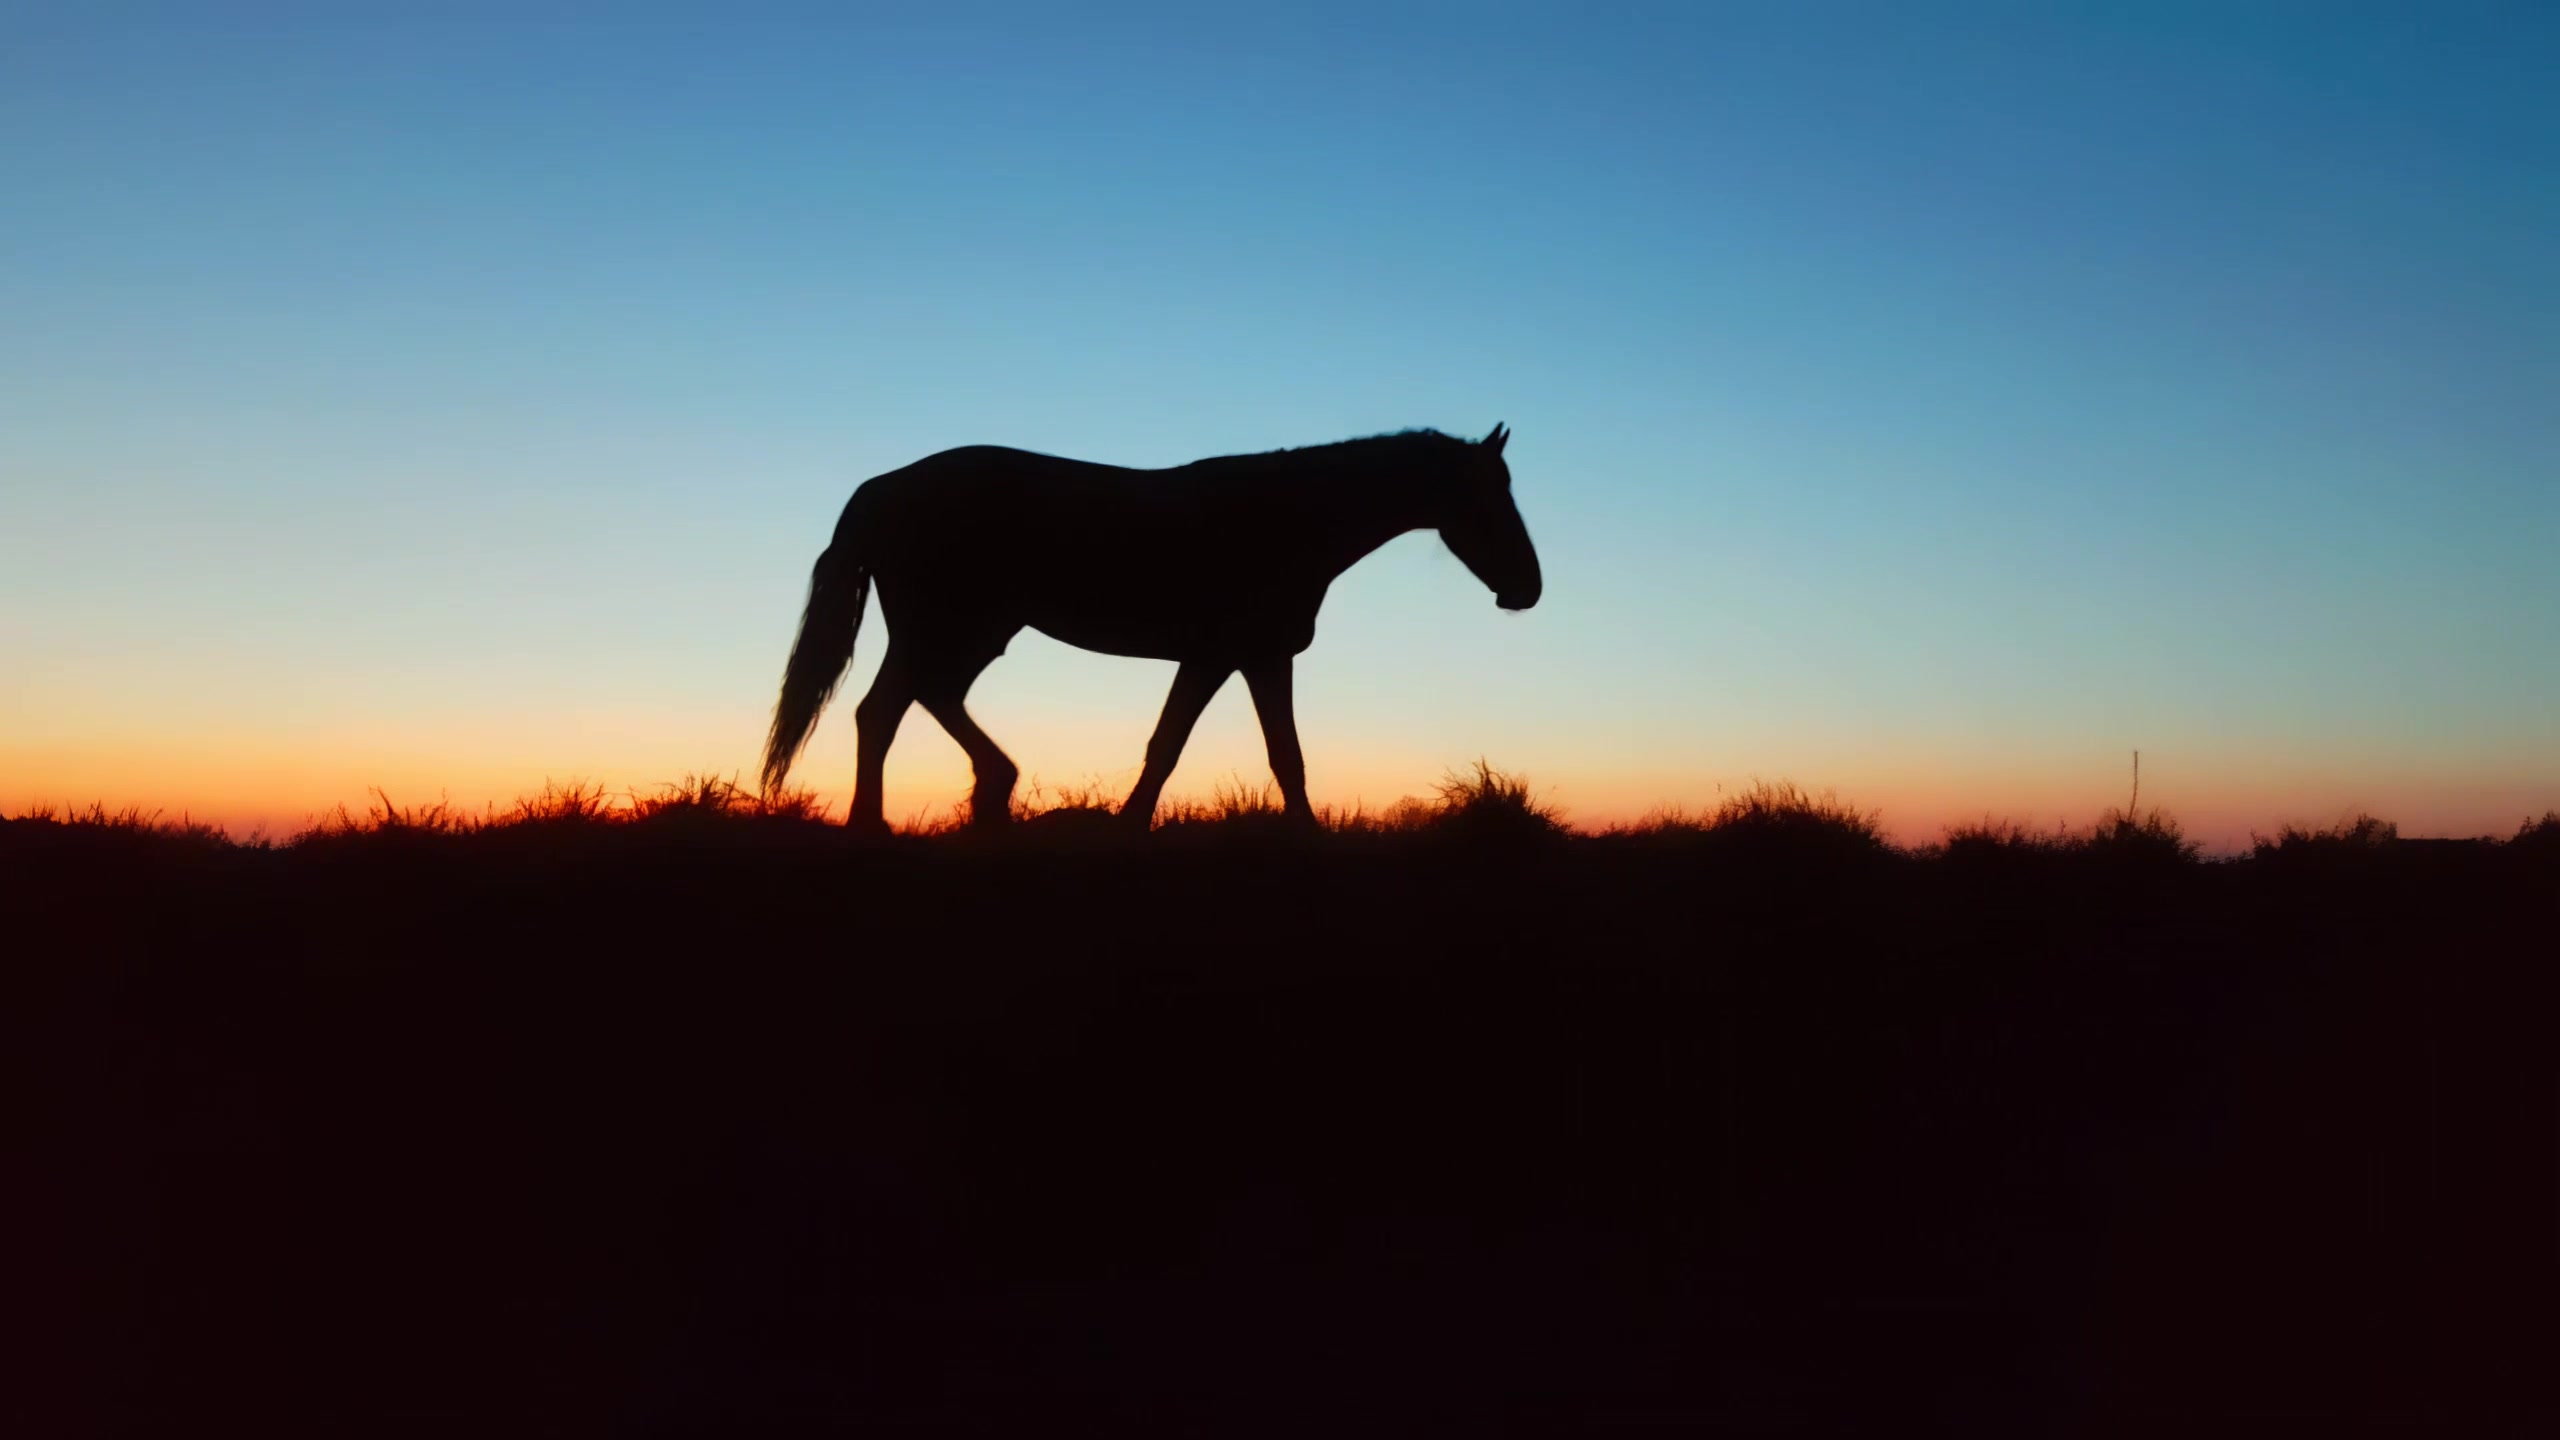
1936 402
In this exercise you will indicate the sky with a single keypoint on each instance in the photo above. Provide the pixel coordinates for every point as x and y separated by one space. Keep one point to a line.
1932 404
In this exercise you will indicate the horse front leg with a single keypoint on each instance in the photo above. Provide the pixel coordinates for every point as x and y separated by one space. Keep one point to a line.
1276 706
1193 685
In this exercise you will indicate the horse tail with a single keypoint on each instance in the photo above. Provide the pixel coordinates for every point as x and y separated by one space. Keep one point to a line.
839 584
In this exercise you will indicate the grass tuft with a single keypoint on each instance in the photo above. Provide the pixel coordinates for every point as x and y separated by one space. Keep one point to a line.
1235 808
1991 840
1036 800
132 824
2357 836
557 806
1775 818
1481 801
2153 837
2538 837
386 820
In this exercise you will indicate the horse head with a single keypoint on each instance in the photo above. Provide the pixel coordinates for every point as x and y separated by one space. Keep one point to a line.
1482 527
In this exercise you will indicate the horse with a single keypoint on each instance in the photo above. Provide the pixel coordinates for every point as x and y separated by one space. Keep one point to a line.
1219 566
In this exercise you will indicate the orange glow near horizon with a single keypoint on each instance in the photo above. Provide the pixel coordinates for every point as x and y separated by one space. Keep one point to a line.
278 790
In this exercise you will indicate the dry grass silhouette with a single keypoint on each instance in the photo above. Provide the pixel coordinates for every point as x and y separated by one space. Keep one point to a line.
1479 803
130 823
2540 836
2357 835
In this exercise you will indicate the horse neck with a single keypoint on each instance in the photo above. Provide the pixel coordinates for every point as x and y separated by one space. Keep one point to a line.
1368 504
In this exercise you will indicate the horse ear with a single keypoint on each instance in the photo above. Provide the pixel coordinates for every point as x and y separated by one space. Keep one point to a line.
1494 442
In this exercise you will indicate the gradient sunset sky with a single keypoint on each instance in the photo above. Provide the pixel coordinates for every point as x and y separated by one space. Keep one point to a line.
1933 403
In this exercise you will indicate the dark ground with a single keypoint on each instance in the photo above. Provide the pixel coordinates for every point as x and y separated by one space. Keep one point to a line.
489 1136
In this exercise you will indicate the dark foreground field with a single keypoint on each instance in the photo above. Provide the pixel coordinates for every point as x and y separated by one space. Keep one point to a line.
669 1126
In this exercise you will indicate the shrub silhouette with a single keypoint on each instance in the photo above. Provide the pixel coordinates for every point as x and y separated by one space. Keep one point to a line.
1993 840
2151 838
1774 819
2360 836
575 803
1779 808
2117 842
131 826
1485 803
697 799
1037 800
386 821
1230 801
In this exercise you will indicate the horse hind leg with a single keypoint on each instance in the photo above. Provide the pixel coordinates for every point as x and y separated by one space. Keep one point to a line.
943 697
991 797
876 726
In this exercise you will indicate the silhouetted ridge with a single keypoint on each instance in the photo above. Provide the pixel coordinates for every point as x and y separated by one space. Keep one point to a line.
677 1113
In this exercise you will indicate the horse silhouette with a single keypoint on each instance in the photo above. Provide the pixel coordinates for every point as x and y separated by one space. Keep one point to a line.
1219 565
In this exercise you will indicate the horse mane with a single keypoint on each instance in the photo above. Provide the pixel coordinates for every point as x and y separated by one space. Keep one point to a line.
1389 445
1411 439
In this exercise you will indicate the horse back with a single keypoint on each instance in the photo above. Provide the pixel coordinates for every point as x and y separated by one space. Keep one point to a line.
1167 563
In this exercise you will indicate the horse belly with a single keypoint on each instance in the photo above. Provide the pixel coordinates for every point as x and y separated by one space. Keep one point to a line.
1166 632
1176 622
